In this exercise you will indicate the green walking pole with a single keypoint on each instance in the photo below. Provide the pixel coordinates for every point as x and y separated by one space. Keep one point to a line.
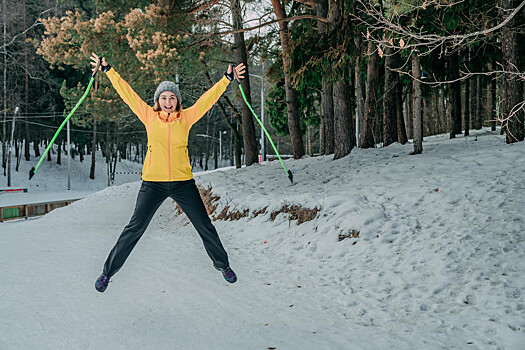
288 172
34 169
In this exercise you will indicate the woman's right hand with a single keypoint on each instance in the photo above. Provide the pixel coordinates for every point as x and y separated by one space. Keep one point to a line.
94 62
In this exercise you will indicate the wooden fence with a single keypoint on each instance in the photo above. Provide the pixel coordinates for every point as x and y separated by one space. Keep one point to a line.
29 210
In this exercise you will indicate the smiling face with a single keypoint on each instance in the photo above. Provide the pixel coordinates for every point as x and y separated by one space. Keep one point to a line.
168 101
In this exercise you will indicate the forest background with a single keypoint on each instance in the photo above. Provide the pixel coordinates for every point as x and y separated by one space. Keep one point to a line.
332 74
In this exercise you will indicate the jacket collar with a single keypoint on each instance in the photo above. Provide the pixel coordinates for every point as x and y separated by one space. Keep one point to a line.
163 116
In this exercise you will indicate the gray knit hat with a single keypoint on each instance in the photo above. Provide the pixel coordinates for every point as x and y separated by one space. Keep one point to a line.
167 86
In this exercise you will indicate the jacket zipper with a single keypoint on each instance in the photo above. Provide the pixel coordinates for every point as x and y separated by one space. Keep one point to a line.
169 147
150 156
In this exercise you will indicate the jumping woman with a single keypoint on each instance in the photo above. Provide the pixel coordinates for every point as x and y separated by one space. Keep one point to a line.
167 170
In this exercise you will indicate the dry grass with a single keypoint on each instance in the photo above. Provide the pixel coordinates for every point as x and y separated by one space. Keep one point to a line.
208 198
259 212
234 215
351 234
296 212
301 214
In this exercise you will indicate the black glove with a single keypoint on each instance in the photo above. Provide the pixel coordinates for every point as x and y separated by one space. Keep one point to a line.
230 76
104 68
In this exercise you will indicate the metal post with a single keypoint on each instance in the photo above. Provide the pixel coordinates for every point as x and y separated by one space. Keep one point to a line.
68 158
10 147
220 147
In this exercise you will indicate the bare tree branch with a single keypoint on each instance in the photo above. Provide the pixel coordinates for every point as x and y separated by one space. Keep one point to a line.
324 20
37 23
431 41
201 6
464 75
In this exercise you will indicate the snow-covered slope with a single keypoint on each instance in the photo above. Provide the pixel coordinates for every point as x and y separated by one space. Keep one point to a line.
437 260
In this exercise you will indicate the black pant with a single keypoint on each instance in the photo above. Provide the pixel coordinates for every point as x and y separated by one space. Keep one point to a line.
150 197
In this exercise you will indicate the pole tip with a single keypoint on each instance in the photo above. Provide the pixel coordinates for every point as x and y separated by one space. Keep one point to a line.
31 173
290 176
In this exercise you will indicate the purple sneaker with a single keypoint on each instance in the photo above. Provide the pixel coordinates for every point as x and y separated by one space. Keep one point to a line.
228 274
102 283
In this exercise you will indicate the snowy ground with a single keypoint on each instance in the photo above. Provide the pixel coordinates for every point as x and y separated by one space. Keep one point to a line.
439 262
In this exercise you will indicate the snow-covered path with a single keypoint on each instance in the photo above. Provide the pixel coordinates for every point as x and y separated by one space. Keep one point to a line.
439 262
178 302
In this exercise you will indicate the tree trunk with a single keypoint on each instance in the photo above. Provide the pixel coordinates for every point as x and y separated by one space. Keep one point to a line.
426 116
478 113
410 114
238 149
36 147
390 98
50 150
327 99
114 153
291 98
359 96
248 128
372 83
512 88
454 96
327 105
401 128
433 108
441 110
343 130
342 102
416 93
93 150
18 154
473 98
59 155
107 155
492 105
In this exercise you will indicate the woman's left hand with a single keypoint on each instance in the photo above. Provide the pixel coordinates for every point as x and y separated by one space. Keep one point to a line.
238 71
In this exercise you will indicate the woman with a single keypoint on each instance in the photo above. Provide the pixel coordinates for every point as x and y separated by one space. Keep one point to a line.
167 170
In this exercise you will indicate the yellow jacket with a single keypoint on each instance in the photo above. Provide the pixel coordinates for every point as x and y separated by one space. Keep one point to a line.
167 157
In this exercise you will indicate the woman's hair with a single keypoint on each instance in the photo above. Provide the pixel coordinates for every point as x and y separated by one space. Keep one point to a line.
156 107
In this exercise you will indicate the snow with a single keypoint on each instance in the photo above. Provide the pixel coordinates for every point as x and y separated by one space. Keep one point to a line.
438 264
